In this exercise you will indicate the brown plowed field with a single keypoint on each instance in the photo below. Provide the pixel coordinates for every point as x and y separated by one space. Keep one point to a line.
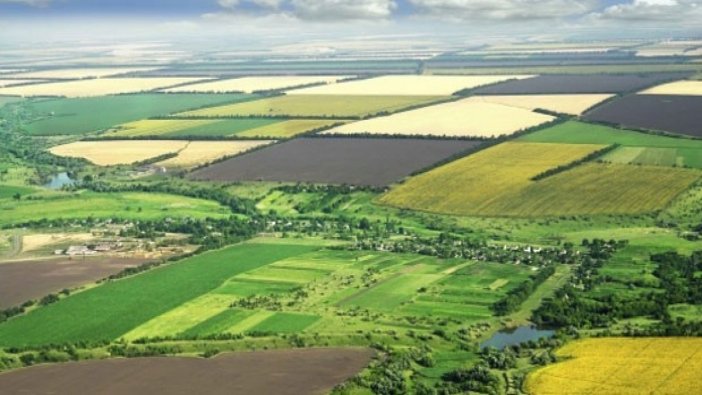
293 372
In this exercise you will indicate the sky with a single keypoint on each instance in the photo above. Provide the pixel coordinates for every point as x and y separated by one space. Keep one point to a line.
551 18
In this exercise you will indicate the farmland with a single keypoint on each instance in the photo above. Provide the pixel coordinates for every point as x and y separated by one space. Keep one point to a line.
79 73
465 118
315 106
79 116
406 85
94 87
8 82
202 152
556 84
288 372
109 153
563 104
335 160
255 84
685 88
667 113
622 366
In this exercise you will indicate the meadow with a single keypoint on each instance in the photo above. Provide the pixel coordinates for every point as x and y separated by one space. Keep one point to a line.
95 87
623 366
335 106
255 84
464 118
79 116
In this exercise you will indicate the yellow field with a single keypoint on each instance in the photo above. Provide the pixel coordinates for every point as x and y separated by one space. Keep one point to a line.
289 128
314 105
564 104
4 82
461 118
253 84
623 366
95 87
202 152
78 73
156 127
692 88
38 241
407 85
109 153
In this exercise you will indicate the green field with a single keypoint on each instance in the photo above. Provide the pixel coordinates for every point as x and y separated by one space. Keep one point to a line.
285 323
9 99
133 205
84 115
329 106
637 148
189 128
111 310
9 191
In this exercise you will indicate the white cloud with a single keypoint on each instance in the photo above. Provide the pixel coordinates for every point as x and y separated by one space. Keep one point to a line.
504 9
684 11
343 9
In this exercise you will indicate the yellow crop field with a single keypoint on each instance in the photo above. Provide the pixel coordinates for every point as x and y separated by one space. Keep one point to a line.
564 104
622 366
289 128
471 185
460 118
109 153
157 127
253 84
315 105
407 85
95 87
7 82
203 152
78 73
691 88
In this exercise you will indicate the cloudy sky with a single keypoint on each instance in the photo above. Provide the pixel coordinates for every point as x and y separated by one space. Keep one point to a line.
612 17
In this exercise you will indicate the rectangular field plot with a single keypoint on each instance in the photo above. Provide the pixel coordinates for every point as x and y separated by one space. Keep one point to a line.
393 293
285 323
78 116
315 106
78 73
685 88
667 113
374 162
474 184
219 323
9 82
468 118
188 127
601 83
623 366
256 84
242 287
563 104
95 87
202 152
407 85
637 147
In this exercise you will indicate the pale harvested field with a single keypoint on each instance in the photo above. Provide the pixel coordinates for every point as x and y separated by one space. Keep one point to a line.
466 117
38 241
109 153
5 82
253 84
687 88
95 87
78 73
407 85
564 104
202 152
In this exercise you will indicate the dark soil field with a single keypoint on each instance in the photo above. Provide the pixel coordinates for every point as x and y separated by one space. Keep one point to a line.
355 161
600 83
668 113
25 280
294 372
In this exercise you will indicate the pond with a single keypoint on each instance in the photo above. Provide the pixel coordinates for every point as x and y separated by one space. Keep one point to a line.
514 336
59 180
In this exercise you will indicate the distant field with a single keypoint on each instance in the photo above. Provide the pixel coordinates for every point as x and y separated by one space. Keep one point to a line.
564 104
111 310
316 106
95 87
290 128
406 85
638 148
256 84
570 69
686 88
202 152
601 83
78 116
4 100
668 113
109 205
8 82
78 73
375 162
472 185
623 366
8 191
467 118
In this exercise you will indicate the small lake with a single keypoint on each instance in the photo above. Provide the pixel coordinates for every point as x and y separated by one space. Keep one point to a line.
514 336
59 180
